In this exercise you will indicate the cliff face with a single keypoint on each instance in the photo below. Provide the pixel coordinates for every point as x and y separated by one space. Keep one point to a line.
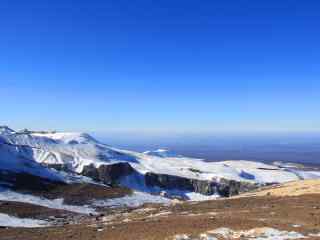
113 173
108 174
223 187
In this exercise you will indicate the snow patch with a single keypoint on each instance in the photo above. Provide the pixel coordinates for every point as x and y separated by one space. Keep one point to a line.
193 196
10 221
256 234
11 196
135 200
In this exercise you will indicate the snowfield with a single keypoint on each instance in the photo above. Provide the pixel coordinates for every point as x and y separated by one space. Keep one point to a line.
20 160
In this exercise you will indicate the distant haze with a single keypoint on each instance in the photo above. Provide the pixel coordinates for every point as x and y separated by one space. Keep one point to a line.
299 147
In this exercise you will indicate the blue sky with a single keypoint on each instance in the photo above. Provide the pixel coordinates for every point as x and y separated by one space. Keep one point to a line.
160 66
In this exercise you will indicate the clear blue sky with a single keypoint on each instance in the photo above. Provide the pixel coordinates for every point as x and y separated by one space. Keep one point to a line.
160 66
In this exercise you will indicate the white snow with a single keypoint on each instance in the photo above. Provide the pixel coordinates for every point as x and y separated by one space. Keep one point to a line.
224 232
198 169
72 178
181 237
272 234
5 130
20 160
11 196
135 200
163 153
314 234
265 233
75 150
67 137
306 174
10 221
192 196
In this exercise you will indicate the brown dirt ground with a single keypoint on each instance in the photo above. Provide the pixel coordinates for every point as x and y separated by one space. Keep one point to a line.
295 188
25 210
80 194
188 218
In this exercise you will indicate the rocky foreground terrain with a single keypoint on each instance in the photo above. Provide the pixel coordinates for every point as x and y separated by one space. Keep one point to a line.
265 215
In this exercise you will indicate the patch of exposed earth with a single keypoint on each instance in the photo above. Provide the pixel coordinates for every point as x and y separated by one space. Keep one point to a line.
296 188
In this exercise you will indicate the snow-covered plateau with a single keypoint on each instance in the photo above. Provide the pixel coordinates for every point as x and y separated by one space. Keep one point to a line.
29 151
78 157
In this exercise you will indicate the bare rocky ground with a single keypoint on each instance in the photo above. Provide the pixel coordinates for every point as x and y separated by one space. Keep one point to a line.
155 222
80 193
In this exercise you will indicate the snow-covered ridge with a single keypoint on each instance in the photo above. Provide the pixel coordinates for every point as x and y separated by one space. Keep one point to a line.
6 130
77 150
74 150
67 138
20 160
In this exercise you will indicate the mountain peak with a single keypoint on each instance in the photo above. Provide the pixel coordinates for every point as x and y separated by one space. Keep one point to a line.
67 137
6 130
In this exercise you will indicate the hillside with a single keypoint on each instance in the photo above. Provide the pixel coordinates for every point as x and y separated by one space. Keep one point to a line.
247 218
35 153
59 179
75 151
295 188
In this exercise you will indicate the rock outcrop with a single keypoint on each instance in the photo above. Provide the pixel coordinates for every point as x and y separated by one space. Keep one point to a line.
108 174
223 187
229 188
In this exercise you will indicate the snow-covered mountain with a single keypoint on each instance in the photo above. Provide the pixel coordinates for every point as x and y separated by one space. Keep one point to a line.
78 152
21 160
74 150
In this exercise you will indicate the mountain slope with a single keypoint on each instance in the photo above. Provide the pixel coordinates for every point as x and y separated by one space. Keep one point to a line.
20 160
76 152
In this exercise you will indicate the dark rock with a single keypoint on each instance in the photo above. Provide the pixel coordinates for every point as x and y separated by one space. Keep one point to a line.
25 181
108 174
223 187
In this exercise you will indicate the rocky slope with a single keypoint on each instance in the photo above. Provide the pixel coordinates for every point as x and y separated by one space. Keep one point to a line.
247 218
